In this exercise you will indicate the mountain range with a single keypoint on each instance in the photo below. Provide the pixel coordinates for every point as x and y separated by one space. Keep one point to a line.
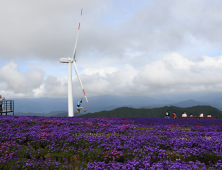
100 103
157 112
133 112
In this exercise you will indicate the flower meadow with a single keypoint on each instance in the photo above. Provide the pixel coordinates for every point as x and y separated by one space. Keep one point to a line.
109 143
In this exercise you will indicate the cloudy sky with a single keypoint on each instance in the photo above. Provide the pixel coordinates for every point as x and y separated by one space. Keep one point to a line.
127 47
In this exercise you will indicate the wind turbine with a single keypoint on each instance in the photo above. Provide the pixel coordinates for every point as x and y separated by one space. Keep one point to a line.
70 61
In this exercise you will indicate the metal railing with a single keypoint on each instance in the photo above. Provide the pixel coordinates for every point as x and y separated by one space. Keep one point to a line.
7 107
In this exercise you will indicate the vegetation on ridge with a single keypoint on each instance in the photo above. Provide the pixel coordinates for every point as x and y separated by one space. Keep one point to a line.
156 112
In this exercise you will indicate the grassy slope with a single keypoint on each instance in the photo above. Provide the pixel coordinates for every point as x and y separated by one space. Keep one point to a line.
156 112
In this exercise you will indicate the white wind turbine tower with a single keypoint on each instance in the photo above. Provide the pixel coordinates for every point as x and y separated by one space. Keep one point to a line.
70 61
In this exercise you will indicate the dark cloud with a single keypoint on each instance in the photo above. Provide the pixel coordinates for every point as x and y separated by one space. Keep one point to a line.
47 30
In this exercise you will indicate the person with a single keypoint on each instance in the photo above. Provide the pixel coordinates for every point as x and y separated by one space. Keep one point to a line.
1 102
174 115
201 114
208 115
167 114
191 115
184 114
79 108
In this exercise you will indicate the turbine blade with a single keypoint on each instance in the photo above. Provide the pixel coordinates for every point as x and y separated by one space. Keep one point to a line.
77 37
74 63
74 59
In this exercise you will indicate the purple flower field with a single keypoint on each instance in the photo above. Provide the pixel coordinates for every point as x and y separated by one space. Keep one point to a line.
109 143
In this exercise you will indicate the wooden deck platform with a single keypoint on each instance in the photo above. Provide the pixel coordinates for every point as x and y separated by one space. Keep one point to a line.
4 111
7 111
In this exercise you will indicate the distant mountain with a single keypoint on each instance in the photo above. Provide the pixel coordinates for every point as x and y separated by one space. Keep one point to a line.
217 103
209 97
132 112
65 114
156 112
189 103
154 106
101 103
198 96
97 103
54 114
26 114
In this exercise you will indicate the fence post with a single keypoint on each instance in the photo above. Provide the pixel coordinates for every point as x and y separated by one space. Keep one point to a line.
6 107
13 107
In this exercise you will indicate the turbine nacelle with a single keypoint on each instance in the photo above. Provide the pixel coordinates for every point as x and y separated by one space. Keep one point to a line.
66 60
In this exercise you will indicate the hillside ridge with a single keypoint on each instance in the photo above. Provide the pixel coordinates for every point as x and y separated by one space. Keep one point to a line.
156 112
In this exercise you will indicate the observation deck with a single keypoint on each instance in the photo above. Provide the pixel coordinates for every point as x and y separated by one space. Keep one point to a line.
7 107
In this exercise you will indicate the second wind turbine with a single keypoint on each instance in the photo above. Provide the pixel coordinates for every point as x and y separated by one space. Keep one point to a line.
70 61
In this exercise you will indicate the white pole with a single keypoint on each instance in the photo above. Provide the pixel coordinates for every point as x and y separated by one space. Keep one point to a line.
70 95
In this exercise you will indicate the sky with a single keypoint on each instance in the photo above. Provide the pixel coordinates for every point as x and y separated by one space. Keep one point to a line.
125 48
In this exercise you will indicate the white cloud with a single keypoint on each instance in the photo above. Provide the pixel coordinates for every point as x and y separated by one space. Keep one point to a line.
171 73
177 62
102 71
20 82
54 87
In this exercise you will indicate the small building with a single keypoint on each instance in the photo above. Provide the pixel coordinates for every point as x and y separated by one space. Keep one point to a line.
7 107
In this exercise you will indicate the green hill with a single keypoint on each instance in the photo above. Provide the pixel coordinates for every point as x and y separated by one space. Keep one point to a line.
156 112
